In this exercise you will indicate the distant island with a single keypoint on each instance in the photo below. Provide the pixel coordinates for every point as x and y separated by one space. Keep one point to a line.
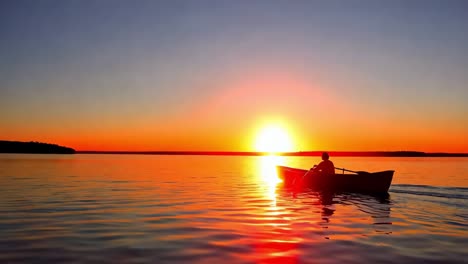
33 147
297 154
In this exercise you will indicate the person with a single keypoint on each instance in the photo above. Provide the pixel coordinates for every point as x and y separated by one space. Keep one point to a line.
325 167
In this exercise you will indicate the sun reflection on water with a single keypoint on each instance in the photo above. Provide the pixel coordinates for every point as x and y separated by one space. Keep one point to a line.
269 175
268 169
276 241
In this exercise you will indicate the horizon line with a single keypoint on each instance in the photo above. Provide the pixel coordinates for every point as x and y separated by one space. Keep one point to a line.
399 153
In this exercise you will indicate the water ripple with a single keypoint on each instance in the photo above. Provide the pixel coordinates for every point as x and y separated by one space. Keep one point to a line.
216 214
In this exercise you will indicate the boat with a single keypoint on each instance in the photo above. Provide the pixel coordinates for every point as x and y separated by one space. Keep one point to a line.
358 181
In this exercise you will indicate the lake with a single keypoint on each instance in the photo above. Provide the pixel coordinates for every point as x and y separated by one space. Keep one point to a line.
208 209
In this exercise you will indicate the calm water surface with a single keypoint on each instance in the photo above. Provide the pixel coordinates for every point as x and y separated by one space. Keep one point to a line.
138 209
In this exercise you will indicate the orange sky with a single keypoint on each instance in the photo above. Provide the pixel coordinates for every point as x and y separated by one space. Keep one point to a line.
231 118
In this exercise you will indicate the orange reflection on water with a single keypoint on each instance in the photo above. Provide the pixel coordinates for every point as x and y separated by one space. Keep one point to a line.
269 175
267 169
208 204
275 239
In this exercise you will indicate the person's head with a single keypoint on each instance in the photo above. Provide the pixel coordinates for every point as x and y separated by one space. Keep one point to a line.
325 156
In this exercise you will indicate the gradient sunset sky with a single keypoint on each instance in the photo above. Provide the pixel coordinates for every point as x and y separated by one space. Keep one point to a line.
208 75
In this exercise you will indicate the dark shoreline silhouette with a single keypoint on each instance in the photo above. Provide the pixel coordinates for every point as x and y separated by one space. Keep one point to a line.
298 154
33 148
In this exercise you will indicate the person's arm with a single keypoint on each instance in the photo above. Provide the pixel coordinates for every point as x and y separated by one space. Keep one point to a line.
319 167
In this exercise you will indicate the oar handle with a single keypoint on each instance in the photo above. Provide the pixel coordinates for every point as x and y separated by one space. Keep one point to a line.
343 169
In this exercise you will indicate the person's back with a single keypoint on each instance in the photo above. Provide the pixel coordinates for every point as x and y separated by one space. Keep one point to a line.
325 167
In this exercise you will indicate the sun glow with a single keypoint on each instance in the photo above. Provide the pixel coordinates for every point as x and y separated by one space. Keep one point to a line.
273 138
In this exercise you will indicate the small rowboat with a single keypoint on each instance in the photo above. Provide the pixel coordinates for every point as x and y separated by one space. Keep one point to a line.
359 181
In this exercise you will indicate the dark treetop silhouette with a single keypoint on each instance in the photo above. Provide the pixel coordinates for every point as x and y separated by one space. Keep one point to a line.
33 147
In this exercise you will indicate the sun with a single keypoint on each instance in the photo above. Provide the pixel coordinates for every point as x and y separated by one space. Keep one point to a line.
273 138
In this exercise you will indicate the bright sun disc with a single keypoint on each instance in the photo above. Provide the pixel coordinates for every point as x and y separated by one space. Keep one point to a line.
273 139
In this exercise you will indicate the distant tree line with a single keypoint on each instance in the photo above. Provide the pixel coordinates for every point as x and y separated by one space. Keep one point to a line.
298 154
33 147
378 154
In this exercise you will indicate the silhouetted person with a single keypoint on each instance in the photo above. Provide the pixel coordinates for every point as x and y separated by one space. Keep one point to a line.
325 167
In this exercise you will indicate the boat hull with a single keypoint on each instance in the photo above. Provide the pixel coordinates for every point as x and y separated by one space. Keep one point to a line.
363 182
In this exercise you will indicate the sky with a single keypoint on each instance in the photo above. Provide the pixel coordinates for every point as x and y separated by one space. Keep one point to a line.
209 75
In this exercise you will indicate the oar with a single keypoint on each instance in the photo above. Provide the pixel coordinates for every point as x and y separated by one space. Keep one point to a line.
358 172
